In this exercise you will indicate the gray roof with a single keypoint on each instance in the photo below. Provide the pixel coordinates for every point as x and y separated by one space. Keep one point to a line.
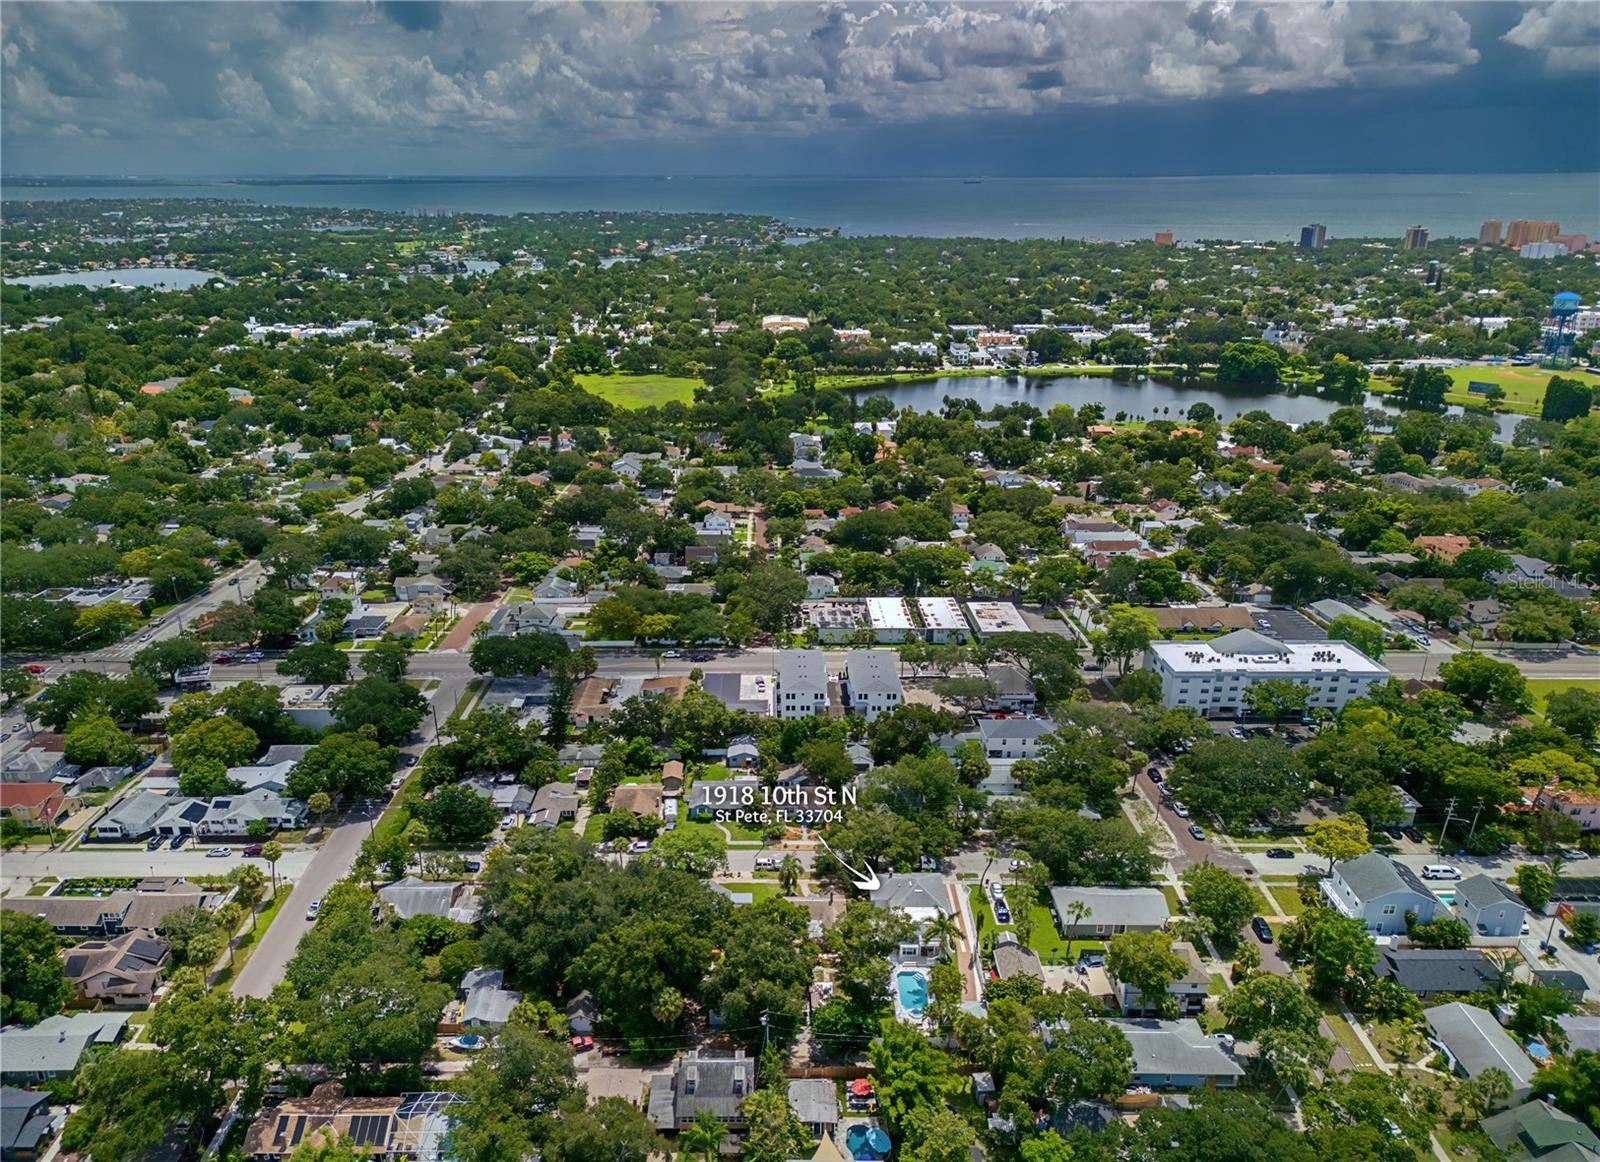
551 800
914 890
414 897
1477 1042
873 671
720 1084
1582 1032
24 1118
1014 728
1014 959
1247 642
1373 875
1436 970
55 1045
1482 892
484 999
1176 1048
1134 907
802 670
814 1100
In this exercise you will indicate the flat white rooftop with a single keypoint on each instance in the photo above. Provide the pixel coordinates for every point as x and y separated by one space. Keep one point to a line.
941 613
888 613
1325 657
996 617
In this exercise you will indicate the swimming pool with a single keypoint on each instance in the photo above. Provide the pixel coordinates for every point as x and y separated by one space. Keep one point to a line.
911 988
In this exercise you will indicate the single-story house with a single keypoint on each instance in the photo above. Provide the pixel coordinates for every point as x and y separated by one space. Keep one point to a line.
1537 1130
368 1122
1431 971
743 755
1474 1042
485 1001
508 798
1012 958
121 911
1083 912
582 1013
55 1046
1178 1054
453 899
815 1102
26 1124
554 804
640 798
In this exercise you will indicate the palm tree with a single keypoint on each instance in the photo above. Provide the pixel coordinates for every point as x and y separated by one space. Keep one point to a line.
945 932
704 1137
789 875
252 885
272 852
1072 915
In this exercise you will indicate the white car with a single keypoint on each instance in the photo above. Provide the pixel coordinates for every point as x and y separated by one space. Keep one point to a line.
997 889
316 906
1180 810
219 853
1018 864
672 654
1236 732
766 861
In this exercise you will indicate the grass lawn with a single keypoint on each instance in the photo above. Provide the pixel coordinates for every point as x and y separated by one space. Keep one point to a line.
757 891
1541 688
1174 905
1524 386
518 593
1045 939
1346 1037
1288 901
637 391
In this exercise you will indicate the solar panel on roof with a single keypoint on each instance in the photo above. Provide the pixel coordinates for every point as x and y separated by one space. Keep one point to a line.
299 1130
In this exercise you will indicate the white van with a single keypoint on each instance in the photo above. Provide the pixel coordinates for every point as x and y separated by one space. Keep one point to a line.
1440 871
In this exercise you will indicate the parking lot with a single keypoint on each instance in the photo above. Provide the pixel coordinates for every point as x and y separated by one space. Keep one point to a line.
1287 625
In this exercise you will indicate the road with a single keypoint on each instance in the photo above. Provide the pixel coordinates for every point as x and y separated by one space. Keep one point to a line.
332 863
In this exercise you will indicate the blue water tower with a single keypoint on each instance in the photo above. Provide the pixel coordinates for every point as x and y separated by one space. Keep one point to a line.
1558 338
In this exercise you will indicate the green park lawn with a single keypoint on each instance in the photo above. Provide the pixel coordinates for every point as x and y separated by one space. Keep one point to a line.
1524 386
1541 688
637 391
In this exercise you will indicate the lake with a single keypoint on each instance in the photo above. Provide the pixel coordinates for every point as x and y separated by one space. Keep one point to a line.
155 277
1137 398
1262 207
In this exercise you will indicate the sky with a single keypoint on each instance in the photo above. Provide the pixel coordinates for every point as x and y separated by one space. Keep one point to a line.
1036 88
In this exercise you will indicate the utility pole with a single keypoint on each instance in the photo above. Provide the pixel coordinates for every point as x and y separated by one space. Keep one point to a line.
766 1029
1449 814
1476 810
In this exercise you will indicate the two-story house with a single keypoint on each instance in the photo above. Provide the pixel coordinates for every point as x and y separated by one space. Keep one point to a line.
801 690
1379 892
1489 908
872 683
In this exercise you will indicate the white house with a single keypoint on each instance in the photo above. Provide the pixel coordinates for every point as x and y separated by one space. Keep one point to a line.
1012 738
801 690
872 682
1379 892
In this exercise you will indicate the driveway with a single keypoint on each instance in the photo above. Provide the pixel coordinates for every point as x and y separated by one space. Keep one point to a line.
460 637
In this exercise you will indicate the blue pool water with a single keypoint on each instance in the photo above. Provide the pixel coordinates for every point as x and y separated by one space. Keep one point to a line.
913 990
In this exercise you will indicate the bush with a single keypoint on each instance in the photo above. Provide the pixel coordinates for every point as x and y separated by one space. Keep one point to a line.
1491 839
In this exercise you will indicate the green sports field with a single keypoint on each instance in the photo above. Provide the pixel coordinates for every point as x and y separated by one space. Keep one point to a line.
638 391
1541 688
1524 386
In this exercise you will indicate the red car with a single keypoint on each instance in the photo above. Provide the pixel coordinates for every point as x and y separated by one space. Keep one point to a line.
221 659
34 668
253 849
582 1042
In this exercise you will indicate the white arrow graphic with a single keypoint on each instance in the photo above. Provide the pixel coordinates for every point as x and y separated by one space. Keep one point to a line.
867 881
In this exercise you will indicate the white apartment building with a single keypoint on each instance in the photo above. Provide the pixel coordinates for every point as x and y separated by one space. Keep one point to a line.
872 682
1213 676
992 617
802 684
942 621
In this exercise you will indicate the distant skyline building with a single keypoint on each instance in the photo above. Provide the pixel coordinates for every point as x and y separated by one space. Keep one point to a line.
1313 237
1163 237
1416 238
1573 242
1522 231
1489 232
1541 250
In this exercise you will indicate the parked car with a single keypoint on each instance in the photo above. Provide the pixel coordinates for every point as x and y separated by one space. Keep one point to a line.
1440 871
178 841
253 850
1574 853
1179 809
316 906
639 845
219 853
1155 777
1262 929
927 863
766 861
672 654
1018 864
1279 853
1001 912
1236 732
1412 834
582 1042
1197 831
34 668
220 659
997 889
252 656
155 842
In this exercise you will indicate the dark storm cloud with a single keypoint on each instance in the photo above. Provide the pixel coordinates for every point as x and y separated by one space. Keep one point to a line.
715 86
